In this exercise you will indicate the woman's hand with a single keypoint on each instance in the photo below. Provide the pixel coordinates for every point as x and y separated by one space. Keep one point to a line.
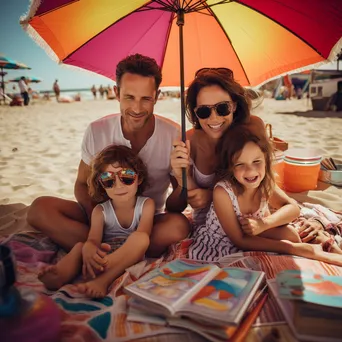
180 158
200 198
92 261
309 230
252 226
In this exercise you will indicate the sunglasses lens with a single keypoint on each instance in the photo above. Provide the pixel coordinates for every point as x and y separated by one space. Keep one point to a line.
222 109
128 176
203 112
108 183
127 180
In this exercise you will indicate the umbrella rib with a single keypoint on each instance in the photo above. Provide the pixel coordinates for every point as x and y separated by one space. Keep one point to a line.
226 34
286 28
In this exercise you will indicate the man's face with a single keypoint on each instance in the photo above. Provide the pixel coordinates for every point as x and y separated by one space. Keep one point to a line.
137 96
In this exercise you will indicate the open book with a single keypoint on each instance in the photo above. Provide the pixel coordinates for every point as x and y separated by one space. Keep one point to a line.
197 291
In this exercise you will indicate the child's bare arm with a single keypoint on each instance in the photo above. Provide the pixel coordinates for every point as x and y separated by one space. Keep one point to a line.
230 224
287 209
91 260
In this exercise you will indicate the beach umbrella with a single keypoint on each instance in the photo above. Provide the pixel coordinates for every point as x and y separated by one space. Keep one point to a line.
257 39
32 79
7 63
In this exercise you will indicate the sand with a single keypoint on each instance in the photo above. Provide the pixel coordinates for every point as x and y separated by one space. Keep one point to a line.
40 149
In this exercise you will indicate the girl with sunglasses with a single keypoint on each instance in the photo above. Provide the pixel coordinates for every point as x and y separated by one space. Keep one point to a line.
122 220
214 102
239 217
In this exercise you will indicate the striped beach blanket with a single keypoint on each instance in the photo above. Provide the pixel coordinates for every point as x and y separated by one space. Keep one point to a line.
104 319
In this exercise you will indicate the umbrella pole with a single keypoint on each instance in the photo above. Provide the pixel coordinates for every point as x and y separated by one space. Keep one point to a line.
180 23
3 84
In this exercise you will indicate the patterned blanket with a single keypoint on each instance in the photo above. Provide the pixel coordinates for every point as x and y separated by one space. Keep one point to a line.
105 319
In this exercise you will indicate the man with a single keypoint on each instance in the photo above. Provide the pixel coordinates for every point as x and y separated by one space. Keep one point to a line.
24 90
335 101
67 222
56 89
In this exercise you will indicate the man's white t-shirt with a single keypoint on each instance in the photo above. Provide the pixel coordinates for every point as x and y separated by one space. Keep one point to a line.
155 154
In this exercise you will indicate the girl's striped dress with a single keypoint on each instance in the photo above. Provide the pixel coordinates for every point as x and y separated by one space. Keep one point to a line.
210 241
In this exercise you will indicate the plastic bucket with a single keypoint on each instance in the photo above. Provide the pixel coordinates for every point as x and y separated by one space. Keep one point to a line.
278 168
300 176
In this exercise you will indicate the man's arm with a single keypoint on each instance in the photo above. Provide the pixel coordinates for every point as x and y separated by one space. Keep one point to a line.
81 188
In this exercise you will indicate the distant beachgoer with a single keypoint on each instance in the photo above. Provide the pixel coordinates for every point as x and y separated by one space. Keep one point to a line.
24 90
335 101
123 220
101 91
110 93
56 89
93 90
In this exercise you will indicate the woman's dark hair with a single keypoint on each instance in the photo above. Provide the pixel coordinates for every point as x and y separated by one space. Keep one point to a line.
125 157
228 84
229 149
139 65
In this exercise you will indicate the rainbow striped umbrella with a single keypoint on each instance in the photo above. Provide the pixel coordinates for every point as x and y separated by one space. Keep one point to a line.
32 79
257 39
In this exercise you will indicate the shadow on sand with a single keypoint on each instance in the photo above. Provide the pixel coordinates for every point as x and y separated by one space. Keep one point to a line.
315 114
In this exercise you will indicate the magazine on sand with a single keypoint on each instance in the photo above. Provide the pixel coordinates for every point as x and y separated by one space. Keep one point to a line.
195 295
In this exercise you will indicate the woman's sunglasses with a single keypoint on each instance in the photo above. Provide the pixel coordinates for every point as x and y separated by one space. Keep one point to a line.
222 109
126 176
225 71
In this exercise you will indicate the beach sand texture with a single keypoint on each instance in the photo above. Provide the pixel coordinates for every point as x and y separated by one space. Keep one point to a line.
40 146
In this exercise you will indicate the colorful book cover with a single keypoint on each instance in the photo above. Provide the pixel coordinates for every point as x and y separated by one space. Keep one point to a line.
310 287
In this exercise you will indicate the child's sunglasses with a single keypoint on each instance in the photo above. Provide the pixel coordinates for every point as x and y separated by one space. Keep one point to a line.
223 108
225 71
126 176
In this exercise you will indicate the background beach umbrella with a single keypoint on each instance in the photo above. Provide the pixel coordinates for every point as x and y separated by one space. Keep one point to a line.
32 79
7 63
257 39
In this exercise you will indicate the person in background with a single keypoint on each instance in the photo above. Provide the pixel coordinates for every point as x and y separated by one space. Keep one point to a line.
94 91
56 89
101 91
335 102
24 90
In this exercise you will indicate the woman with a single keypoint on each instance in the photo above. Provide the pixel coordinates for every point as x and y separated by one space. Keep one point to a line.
214 101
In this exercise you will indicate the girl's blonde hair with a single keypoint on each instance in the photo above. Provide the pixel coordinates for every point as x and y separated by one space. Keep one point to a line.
229 149
125 157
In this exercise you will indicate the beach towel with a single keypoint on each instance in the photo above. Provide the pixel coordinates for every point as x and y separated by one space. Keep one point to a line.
105 319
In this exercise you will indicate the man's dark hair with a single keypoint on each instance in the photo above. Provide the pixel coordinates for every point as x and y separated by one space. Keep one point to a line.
139 65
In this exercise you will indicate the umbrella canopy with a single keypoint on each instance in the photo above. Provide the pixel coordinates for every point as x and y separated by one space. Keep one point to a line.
32 79
257 39
7 63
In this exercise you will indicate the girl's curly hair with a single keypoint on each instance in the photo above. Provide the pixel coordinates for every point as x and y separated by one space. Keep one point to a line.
229 149
125 157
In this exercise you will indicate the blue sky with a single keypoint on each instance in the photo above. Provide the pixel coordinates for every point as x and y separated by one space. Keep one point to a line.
16 44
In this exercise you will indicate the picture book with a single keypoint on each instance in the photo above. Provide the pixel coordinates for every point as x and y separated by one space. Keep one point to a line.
212 332
308 321
310 287
198 291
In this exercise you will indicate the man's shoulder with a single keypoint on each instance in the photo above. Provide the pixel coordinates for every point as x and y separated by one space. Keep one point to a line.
166 123
106 120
